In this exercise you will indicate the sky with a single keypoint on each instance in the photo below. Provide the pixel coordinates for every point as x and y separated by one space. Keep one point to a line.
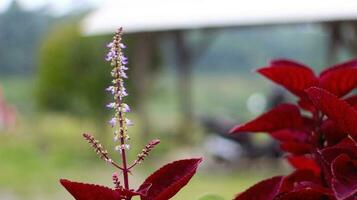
56 7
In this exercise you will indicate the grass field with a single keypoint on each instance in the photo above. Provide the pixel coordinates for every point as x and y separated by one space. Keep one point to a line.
47 146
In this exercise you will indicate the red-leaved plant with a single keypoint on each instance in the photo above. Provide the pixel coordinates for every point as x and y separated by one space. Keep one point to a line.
162 184
320 142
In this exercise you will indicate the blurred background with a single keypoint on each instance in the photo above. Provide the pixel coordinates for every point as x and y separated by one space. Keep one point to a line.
191 80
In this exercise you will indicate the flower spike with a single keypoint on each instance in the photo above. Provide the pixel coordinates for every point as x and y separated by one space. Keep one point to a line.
98 148
145 152
117 61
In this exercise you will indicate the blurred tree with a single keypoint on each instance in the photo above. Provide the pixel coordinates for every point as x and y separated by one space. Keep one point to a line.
70 77
21 32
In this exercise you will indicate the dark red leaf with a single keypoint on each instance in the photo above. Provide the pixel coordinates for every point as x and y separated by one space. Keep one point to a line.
293 76
305 194
169 179
300 178
344 181
347 142
304 162
340 79
332 133
331 153
144 189
281 117
327 155
352 100
297 148
337 110
306 104
289 135
264 190
84 191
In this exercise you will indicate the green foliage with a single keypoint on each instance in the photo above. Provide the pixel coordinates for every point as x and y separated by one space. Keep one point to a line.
72 74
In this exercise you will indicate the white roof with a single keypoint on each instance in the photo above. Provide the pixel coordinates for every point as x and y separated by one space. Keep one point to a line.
161 15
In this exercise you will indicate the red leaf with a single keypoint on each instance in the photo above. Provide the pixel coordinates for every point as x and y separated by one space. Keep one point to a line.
281 117
264 190
327 155
337 110
303 162
169 179
347 142
307 105
288 135
352 100
296 148
305 194
340 79
300 178
332 133
84 191
344 181
292 75
331 153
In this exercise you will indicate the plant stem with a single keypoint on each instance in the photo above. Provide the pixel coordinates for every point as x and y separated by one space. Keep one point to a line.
122 141
125 168
122 145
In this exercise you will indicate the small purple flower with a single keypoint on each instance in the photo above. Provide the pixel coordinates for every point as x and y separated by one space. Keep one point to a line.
123 67
124 62
121 45
123 93
126 107
111 105
124 58
129 122
113 121
123 74
110 89
110 45
111 55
